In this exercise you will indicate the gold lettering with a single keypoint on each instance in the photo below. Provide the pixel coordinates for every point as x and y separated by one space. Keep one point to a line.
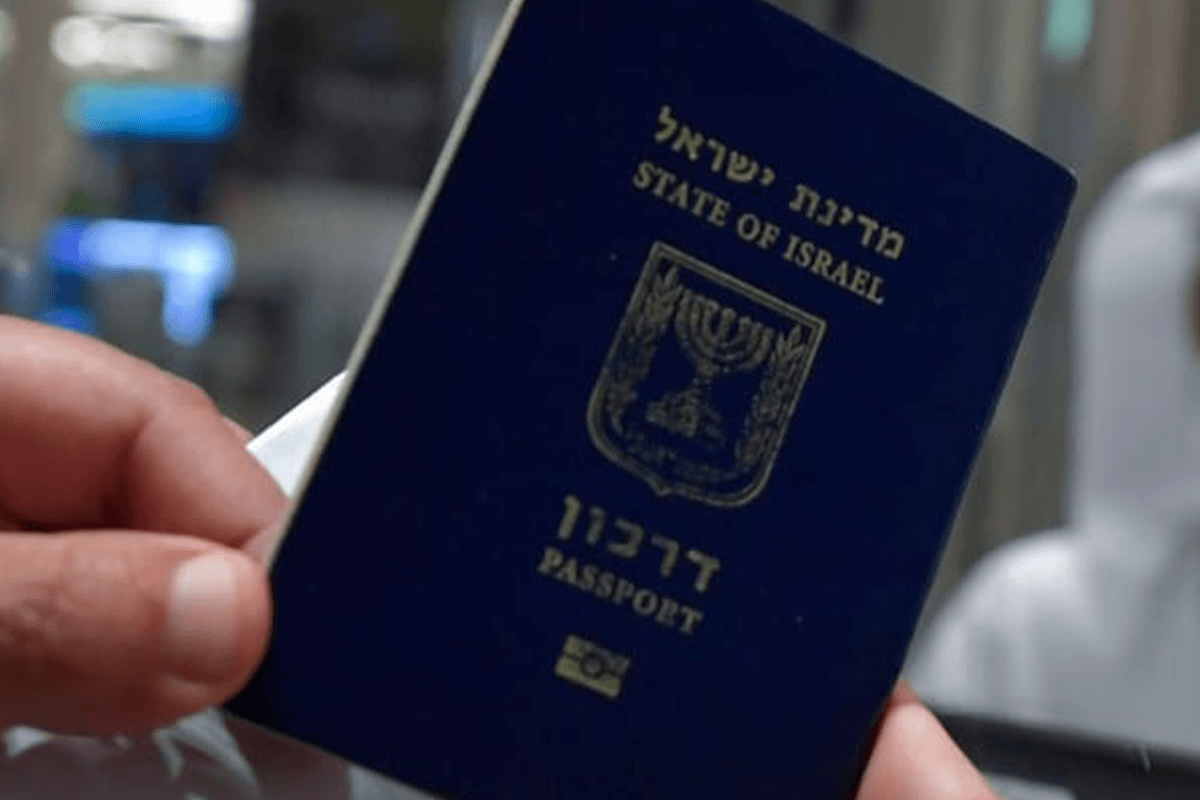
681 196
567 573
551 561
805 196
841 275
870 227
749 226
742 168
794 243
666 612
629 548
689 141
703 198
807 250
691 618
587 579
645 602
823 262
670 553
596 529
708 568
770 235
625 590
859 284
670 188
669 123
890 243
720 213
626 541
846 275
570 517
644 175
876 293
665 181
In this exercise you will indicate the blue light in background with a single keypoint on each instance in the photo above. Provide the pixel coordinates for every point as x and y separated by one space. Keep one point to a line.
196 264
167 111
71 318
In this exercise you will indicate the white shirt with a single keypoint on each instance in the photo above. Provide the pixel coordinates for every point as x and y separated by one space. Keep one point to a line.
1096 627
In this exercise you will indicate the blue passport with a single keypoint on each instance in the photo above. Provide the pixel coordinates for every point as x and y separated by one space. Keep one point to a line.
655 434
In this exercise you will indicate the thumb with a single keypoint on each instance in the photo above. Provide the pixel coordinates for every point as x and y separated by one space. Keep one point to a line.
915 759
118 632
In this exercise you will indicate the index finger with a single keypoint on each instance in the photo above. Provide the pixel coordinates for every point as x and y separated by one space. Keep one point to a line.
91 437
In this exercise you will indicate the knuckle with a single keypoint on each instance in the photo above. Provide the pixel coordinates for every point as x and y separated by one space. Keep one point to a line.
96 586
58 617
29 625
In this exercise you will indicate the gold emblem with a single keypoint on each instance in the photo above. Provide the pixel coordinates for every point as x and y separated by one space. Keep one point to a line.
701 413
592 667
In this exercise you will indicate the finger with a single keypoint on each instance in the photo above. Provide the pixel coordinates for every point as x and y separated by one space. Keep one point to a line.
915 759
9 521
243 436
105 633
262 546
94 438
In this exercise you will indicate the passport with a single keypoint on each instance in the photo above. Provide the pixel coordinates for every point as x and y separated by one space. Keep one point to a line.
653 438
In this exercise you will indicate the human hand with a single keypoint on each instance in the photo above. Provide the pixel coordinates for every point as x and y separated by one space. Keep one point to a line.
128 507
915 759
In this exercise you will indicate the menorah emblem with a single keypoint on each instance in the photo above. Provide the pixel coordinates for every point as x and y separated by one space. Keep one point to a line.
719 343
701 414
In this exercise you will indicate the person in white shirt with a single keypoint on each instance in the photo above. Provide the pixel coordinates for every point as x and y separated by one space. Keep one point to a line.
1096 627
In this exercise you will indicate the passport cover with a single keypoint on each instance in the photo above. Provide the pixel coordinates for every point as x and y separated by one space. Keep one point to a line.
653 439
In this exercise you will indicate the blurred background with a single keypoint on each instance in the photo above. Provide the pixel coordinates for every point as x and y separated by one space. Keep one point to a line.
218 185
